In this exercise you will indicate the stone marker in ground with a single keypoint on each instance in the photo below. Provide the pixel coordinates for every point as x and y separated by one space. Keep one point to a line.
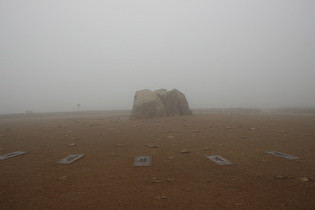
70 159
279 154
143 161
219 160
10 155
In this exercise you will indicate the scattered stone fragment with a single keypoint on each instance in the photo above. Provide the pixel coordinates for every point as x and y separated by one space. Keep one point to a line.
152 146
206 148
228 127
155 180
280 176
305 179
185 151
244 137
72 144
253 128
170 180
62 178
170 157
111 129
170 137
160 197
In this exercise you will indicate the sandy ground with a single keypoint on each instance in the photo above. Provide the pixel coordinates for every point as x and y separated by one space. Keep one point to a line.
105 177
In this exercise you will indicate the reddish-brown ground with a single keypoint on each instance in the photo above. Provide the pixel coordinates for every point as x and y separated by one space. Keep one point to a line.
105 177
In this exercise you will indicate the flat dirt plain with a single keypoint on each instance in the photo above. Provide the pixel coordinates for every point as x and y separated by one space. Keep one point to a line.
105 178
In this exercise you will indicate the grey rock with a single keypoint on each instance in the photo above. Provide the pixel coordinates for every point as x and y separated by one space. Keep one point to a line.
159 103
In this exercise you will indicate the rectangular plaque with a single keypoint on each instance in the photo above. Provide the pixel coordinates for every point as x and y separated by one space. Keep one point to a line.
71 158
219 160
280 154
143 161
12 154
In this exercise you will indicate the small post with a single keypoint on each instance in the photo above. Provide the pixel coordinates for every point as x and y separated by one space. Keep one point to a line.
78 105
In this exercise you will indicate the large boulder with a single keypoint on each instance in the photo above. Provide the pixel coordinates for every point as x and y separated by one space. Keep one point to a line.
159 103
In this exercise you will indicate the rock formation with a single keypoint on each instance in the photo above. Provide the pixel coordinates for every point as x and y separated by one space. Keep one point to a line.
159 103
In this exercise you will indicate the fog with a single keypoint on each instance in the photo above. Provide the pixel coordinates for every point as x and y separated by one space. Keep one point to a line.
220 54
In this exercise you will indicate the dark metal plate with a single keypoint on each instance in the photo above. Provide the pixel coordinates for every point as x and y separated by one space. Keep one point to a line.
143 161
10 155
219 160
70 159
280 154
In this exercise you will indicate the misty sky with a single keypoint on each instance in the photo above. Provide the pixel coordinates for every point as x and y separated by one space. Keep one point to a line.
55 54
